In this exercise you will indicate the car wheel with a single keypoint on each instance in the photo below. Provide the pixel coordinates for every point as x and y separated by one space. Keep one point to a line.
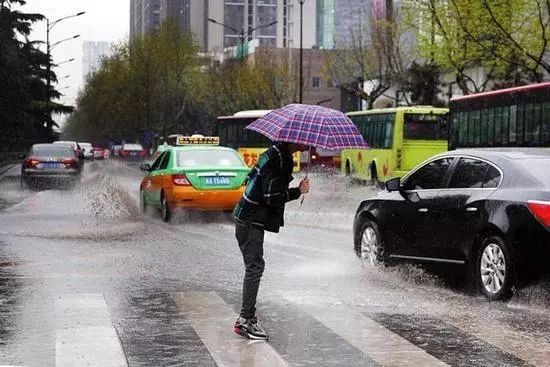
370 246
165 211
495 269
373 174
348 169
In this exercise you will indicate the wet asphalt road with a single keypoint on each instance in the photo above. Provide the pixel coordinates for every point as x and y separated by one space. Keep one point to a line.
85 280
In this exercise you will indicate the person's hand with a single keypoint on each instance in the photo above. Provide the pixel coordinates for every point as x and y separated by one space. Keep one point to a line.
304 186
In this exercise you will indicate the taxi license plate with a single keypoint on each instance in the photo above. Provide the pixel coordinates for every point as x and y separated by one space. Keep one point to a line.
217 181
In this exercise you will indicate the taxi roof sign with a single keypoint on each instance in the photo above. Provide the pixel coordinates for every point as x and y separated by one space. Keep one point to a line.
198 140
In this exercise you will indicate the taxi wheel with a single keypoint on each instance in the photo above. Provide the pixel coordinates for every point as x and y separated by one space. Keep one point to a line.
142 203
165 211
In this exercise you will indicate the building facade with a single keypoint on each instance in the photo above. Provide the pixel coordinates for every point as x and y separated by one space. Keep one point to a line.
325 28
144 16
318 89
92 53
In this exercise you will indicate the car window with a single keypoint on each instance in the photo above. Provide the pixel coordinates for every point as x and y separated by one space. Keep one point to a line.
156 164
53 151
492 178
165 161
429 176
132 147
473 173
469 173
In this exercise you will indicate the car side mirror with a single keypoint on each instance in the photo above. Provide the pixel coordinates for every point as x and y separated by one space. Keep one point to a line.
145 167
393 184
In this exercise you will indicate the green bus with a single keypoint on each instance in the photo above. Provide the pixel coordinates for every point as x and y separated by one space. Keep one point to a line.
511 118
398 138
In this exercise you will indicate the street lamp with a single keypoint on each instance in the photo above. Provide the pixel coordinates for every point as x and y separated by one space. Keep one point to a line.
242 35
63 40
49 26
301 50
64 62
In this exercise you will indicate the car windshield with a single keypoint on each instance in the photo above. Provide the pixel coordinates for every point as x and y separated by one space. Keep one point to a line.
86 145
132 147
58 151
208 158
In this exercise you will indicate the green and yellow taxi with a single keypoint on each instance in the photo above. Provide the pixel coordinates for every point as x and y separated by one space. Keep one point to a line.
195 174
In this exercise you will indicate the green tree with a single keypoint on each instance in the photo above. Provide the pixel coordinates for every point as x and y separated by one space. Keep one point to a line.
506 40
376 55
24 112
159 83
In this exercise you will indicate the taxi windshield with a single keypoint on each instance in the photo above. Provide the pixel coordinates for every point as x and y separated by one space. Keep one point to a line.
208 158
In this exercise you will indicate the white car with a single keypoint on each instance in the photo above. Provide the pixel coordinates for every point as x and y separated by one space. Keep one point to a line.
87 150
72 144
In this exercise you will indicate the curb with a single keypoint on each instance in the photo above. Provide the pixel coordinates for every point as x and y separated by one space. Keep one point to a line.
6 167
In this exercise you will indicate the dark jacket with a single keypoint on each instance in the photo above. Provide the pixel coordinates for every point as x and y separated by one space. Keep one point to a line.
267 192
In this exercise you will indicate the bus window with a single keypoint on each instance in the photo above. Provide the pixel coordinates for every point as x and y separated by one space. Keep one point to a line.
462 128
532 124
516 118
545 122
424 126
483 126
477 126
498 125
491 126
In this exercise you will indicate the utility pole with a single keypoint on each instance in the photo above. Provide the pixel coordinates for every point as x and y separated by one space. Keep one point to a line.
49 47
301 95
243 36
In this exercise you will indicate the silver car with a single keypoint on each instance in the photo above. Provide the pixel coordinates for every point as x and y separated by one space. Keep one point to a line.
50 164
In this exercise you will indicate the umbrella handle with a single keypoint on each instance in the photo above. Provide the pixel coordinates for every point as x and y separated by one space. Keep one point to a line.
307 171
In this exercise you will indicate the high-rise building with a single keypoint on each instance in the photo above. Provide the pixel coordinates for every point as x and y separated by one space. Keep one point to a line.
144 16
326 12
240 18
351 18
92 53
189 15
247 15
288 24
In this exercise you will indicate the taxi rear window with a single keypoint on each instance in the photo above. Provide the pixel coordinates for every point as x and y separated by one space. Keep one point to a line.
208 158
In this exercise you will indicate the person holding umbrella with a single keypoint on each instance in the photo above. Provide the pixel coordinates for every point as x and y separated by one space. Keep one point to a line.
292 128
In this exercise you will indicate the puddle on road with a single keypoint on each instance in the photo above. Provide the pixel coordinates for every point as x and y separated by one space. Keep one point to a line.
100 209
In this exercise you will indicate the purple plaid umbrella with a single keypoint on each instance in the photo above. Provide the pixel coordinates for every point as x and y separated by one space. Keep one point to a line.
311 125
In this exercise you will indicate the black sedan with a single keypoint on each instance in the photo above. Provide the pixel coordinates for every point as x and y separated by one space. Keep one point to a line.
50 164
486 210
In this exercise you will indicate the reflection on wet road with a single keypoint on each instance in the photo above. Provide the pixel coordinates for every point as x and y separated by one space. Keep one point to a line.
85 280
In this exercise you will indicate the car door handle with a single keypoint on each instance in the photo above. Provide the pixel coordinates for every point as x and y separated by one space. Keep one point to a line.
423 210
471 209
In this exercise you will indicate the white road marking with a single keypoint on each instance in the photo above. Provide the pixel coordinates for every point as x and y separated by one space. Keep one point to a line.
535 351
380 344
213 321
84 333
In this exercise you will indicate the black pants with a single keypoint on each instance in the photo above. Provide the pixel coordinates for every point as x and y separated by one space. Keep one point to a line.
251 243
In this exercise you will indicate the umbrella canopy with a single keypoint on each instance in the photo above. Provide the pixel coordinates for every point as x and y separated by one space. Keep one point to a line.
311 125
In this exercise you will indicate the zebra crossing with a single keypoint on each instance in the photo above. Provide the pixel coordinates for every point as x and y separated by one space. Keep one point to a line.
302 334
